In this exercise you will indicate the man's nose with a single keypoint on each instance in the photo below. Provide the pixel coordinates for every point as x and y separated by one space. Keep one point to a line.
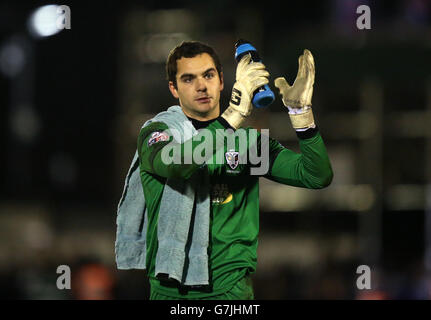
201 85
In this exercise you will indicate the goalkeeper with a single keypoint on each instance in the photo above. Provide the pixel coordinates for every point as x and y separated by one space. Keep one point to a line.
195 77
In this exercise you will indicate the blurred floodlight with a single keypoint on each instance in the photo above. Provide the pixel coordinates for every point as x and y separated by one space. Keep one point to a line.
156 47
12 59
171 21
25 123
43 21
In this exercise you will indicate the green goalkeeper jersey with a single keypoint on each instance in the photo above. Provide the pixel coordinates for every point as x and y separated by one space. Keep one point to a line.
234 214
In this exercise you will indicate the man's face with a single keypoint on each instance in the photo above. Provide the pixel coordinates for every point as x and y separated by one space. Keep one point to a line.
198 87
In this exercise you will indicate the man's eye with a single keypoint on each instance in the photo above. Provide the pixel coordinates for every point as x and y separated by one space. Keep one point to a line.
188 80
209 75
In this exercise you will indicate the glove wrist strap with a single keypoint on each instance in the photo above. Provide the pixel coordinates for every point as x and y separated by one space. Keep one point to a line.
303 120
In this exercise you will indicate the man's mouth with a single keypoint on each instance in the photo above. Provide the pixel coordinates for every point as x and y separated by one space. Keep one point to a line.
203 99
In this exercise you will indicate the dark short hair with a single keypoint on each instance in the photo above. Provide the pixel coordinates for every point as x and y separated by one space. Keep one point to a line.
188 49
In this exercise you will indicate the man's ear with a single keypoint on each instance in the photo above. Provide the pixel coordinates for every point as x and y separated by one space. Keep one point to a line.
173 90
221 81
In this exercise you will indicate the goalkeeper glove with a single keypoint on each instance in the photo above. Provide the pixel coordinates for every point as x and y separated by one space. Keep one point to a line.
297 98
249 77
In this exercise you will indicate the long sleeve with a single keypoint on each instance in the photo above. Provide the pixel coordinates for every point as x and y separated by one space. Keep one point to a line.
309 169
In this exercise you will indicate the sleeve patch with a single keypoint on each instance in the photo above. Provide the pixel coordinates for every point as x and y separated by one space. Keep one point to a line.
157 137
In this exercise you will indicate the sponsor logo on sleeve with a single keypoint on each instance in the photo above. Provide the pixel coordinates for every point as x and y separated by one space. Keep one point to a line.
157 137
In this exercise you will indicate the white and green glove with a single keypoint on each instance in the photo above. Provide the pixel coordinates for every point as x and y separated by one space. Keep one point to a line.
297 98
249 77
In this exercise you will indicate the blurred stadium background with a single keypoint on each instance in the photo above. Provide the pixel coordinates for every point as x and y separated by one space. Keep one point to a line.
72 105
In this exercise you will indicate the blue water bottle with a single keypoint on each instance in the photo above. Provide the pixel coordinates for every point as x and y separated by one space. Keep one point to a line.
263 96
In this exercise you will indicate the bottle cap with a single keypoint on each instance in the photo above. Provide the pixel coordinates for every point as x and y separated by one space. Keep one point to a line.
240 42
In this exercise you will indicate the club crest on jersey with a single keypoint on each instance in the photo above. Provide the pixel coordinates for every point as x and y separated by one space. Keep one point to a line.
157 137
232 158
